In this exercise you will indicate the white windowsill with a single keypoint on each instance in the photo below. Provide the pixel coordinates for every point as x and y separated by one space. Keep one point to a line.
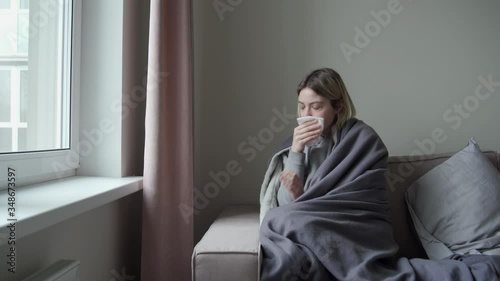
42 205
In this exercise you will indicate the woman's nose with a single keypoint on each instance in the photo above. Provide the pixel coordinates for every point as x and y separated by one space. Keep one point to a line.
308 112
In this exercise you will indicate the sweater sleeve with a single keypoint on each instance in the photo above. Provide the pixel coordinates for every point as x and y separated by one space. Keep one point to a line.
295 164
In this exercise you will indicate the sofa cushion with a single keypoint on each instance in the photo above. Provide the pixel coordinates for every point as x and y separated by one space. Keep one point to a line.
454 207
402 172
229 249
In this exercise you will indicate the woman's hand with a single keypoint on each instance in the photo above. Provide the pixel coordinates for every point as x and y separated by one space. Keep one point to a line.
304 133
292 183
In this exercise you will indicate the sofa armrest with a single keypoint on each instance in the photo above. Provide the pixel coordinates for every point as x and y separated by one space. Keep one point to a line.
229 249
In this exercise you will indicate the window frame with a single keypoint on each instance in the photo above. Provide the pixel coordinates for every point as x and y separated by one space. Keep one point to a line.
40 166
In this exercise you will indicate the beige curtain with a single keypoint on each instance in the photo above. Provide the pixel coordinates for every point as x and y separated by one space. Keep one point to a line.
167 237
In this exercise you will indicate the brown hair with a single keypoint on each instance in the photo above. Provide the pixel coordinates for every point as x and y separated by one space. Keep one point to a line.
327 83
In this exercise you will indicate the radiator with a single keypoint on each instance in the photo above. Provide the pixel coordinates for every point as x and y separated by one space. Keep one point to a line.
63 270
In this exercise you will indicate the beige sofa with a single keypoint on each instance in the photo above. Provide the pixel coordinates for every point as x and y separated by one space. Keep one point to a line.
229 249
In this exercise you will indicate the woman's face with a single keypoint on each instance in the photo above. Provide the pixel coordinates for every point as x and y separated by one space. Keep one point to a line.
312 104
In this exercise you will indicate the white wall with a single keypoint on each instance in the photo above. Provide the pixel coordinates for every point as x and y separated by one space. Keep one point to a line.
250 58
104 240
101 87
113 89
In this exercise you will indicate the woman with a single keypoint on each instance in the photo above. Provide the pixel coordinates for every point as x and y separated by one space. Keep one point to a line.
291 172
324 209
321 94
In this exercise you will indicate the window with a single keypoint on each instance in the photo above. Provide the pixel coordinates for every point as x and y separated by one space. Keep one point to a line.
39 48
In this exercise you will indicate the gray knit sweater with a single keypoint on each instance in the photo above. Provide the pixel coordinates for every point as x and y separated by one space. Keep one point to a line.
305 164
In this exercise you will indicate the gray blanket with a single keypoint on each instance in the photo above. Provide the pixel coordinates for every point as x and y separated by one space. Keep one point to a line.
340 228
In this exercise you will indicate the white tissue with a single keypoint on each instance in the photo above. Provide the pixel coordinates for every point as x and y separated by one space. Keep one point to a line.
321 121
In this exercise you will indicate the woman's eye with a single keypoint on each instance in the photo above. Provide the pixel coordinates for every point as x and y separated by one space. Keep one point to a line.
316 107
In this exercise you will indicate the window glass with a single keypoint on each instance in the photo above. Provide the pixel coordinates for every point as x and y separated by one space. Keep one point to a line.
5 139
4 4
24 4
35 52
4 95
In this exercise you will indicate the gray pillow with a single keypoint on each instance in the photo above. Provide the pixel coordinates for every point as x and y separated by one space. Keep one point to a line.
455 207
